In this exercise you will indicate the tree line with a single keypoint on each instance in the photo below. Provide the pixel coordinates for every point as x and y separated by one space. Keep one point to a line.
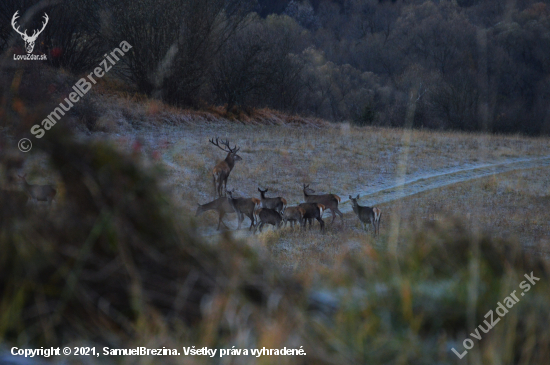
464 64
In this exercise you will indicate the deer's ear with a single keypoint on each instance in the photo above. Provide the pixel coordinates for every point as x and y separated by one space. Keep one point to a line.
350 197
357 196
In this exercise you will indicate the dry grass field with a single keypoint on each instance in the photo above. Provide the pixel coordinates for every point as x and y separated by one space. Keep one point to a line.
335 158
463 217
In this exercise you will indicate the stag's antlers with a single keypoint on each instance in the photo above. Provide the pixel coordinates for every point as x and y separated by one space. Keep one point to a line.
226 144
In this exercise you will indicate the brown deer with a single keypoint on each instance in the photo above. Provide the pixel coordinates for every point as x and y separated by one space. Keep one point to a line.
221 171
313 210
330 201
221 205
268 216
38 192
243 206
293 215
277 204
367 214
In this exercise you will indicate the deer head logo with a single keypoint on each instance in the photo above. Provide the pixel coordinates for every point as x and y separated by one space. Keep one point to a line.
29 41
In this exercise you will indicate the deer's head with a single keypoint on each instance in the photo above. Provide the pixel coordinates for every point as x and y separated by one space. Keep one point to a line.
29 40
231 152
200 210
354 200
308 190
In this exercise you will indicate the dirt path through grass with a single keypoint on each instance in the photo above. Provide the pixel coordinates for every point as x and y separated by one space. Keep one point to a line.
416 185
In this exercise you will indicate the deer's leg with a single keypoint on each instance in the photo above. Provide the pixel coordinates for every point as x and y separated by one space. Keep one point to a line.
322 223
333 215
240 218
225 187
251 217
340 214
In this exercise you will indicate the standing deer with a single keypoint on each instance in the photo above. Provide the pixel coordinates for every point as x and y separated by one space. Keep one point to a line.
293 214
367 214
313 210
29 40
38 192
268 216
330 201
277 204
243 206
221 171
221 205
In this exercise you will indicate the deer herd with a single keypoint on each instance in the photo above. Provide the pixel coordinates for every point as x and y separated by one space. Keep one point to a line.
262 211
274 211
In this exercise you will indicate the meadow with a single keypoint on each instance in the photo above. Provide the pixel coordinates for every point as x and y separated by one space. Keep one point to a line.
464 216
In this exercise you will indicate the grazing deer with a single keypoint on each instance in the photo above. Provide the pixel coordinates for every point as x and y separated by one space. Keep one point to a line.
268 216
313 210
38 192
293 214
330 201
243 206
367 214
221 171
221 205
277 204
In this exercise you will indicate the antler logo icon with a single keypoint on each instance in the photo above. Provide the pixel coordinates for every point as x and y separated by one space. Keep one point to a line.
29 41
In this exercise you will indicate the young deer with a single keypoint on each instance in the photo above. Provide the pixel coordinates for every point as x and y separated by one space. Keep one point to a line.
277 204
220 205
38 192
243 206
330 201
367 214
221 171
293 214
268 216
313 210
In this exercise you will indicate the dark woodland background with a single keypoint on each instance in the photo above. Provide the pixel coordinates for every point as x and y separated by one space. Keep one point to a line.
465 64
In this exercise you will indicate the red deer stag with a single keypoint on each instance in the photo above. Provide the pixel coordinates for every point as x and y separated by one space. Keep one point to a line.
243 206
330 201
38 192
221 171
367 215
220 205
278 204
